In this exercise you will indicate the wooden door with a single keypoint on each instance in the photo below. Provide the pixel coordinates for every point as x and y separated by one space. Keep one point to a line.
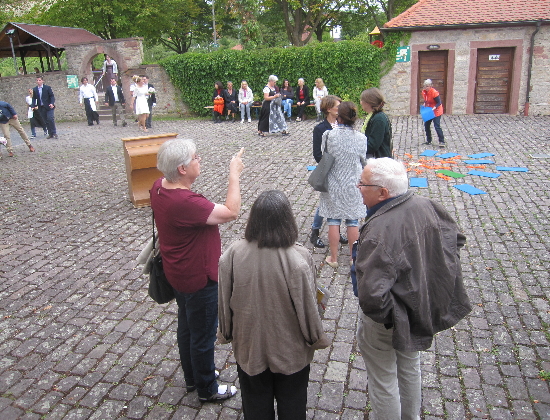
493 80
433 65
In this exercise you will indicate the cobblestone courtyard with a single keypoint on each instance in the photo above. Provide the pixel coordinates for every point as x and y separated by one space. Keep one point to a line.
80 338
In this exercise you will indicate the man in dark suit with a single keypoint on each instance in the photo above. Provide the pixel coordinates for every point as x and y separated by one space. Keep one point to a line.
43 100
115 99
151 100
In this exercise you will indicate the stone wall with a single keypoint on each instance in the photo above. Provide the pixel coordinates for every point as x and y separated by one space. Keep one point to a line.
128 53
13 89
398 84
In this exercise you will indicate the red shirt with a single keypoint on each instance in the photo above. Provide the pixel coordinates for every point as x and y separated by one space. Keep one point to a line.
429 100
190 248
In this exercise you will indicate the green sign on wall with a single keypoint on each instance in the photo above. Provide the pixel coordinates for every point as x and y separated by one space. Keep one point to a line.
403 54
72 81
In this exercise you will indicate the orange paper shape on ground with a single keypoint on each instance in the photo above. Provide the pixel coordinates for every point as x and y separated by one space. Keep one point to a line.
445 177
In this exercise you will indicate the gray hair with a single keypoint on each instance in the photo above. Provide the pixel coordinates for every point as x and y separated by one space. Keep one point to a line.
390 174
428 82
302 79
272 78
172 154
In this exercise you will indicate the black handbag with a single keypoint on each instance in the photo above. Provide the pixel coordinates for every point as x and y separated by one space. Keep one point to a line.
159 289
318 179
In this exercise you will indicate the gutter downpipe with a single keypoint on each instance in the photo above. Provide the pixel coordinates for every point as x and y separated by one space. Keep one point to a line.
529 68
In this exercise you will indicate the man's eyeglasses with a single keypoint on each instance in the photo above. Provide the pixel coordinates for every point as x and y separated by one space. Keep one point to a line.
359 185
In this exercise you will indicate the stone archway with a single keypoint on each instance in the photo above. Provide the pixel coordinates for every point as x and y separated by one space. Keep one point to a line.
127 52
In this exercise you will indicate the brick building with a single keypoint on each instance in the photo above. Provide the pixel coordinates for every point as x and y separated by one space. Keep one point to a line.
484 57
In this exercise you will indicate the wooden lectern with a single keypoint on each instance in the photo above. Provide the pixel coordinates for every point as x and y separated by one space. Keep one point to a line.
140 155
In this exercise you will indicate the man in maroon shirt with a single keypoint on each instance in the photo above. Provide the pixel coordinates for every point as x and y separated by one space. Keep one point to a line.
190 245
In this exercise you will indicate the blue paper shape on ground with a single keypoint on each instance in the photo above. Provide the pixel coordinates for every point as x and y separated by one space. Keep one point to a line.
512 169
447 155
480 155
429 153
467 188
311 168
479 162
418 182
485 174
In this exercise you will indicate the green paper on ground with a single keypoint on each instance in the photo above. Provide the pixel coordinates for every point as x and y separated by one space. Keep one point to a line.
450 173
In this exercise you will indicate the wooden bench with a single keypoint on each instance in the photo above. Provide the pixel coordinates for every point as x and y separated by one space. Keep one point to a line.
257 107
140 156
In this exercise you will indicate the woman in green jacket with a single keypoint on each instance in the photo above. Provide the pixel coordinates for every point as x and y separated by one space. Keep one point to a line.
377 126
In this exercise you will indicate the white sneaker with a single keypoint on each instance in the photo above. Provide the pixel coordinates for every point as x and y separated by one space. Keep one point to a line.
242 121
249 120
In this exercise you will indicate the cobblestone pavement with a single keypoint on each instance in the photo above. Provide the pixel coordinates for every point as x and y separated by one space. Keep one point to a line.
80 338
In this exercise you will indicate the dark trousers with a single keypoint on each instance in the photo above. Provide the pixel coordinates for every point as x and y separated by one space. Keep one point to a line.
47 115
258 392
300 109
197 324
91 115
149 118
438 130
36 121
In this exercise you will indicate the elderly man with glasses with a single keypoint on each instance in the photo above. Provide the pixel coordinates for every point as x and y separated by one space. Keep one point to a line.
409 283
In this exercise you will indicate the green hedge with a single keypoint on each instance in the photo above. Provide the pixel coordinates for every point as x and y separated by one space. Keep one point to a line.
347 68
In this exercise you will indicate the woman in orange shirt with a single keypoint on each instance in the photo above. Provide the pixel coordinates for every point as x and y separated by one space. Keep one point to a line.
433 100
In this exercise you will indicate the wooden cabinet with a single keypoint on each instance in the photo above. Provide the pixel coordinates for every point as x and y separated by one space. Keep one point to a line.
140 156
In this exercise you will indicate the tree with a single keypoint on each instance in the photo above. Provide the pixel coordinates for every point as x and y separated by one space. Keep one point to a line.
390 8
302 18
177 24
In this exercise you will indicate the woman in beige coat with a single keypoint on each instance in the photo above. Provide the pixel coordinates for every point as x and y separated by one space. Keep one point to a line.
267 308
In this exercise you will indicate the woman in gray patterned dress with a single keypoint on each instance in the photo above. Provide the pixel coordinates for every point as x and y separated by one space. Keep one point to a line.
343 200
272 119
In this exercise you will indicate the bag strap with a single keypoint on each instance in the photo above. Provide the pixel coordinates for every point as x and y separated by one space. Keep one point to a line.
153 219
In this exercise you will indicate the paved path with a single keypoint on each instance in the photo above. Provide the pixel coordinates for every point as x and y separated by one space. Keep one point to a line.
80 338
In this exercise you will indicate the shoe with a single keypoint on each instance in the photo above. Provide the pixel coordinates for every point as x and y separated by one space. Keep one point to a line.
441 144
10 154
124 124
191 388
242 121
31 149
97 121
285 133
224 392
298 119
315 240
261 134
55 136
428 143
32 136
50 136
332 264
115 124
249 120
343 240
88 124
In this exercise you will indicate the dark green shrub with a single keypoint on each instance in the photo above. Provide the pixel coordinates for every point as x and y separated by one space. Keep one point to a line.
347 68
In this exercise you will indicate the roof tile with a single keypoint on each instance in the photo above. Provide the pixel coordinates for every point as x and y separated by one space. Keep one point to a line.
462 12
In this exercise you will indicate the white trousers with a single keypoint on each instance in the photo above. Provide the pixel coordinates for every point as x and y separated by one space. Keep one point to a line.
394 376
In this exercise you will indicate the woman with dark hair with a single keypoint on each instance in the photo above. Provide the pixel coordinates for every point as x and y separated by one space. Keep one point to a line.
302 98
288 98
268 310
219 102
343 200
231 97
88 97
377 126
